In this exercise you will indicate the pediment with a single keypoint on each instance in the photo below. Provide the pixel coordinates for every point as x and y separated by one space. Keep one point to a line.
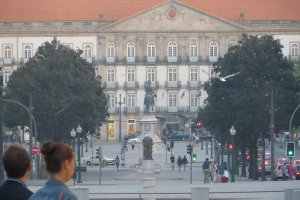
171 16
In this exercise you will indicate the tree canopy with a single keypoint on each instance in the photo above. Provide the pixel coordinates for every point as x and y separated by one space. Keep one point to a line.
64 91
244 100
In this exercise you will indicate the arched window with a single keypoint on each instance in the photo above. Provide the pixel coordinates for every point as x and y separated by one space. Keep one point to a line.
7 52
87 51
151 49
193 49
172 49
110 50
294 50
213 49
130 50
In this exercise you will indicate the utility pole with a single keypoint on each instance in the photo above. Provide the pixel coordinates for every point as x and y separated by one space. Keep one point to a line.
1 130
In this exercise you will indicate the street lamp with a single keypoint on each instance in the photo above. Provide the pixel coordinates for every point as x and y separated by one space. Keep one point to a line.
232 132
73 135
78 130
1 121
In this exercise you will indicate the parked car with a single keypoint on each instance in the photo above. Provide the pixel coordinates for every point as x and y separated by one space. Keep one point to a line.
178 136
91 160
297 172
95 161
136 134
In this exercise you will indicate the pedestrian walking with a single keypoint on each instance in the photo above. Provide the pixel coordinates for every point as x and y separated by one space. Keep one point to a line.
60 164
225 177
205 168
117 161
179 163
17 166
172 159
284 172
184 162
213 171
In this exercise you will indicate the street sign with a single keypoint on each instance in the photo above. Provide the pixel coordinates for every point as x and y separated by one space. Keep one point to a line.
35 150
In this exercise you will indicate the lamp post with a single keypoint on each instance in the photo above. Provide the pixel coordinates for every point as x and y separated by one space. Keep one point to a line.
1 120
120 113
78 130
73 135
232 132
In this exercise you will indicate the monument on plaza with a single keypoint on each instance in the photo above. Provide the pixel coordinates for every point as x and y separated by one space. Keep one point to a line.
147 148
149 97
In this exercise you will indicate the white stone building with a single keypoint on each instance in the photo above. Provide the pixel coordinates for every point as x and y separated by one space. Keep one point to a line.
173 44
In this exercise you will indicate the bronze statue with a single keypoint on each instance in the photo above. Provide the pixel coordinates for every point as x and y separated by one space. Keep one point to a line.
147 151
149 97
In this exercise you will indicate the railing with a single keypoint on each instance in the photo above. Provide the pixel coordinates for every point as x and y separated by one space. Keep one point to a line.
194 84
173 84
131 85
154 84
111 85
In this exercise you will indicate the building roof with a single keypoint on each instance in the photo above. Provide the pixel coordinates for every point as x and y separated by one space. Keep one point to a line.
57 10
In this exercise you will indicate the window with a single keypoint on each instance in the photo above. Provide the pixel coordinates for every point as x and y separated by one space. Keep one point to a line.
112 101
131 100
151 49
172 49
172 73
130 75
213 49
193 49
7 52
110 50
172 100
130 50
27 51
193 74
194 100
294 50
87 51
110 75
151 74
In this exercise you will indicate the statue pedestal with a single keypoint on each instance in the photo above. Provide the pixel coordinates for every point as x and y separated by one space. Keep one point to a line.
148 125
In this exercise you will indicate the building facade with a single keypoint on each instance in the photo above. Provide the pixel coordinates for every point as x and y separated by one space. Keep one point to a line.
172 44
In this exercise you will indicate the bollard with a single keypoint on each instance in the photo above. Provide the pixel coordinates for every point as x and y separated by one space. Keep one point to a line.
296 194
81 193
202 192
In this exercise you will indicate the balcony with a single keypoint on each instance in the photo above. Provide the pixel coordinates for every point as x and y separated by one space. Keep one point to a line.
111 85
173 84
294 57
154 84
161 109
172 109
110 59
132 59
183 109
151 59
8 61
131 85
173 59
194 109
213 58
194 59
194 84
134 109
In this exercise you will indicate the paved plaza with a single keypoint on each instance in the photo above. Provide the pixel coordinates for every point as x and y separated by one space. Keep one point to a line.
128 182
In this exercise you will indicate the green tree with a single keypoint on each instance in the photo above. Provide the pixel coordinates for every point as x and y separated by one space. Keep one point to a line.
244 100
64 90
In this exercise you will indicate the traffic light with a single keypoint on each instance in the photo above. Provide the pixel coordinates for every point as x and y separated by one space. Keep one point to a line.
290 149
99 153
172 144
189 149
194 157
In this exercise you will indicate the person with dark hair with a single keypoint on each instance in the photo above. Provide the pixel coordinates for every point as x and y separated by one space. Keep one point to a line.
60 164
17 166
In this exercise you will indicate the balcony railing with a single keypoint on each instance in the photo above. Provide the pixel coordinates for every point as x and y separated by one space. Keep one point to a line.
173 84
153 60
183 109
131 85
194 84
111 85
154 84
8 61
